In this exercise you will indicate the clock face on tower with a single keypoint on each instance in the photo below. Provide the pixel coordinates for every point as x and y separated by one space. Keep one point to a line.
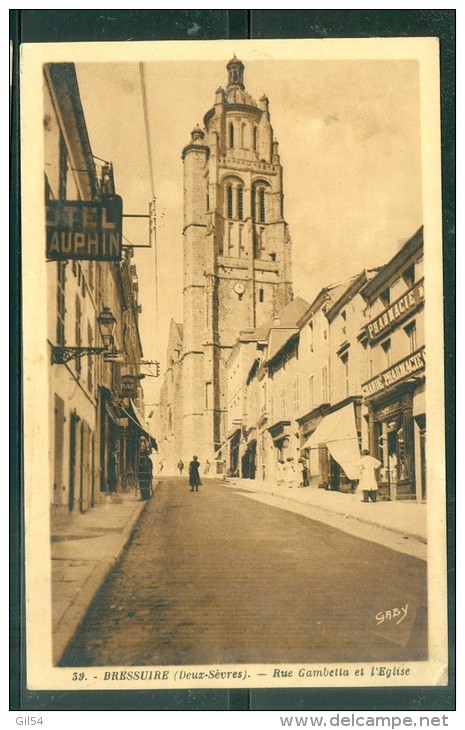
239 288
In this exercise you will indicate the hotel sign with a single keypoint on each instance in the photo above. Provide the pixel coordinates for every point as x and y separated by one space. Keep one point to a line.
84 230
401 308
400 371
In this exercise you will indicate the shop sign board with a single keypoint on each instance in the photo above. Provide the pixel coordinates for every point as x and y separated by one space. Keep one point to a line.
84 230
391 408
396 312
130 385
414 363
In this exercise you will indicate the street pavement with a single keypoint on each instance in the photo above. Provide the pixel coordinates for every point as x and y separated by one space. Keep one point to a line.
226 575
400 525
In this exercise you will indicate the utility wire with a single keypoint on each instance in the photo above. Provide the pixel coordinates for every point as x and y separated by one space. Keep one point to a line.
152 221
147 126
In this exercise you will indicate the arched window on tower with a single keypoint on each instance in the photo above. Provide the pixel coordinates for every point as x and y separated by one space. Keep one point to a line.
255 138
243 125
231 134
259 201
233 197
240 202
261 205
229 200
260 215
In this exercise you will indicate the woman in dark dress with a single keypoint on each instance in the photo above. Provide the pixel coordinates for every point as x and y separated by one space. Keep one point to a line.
145 471
194 477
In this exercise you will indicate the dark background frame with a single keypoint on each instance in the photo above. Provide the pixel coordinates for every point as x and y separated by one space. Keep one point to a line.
34 26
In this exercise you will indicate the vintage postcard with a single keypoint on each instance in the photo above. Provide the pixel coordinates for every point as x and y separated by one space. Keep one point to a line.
233 364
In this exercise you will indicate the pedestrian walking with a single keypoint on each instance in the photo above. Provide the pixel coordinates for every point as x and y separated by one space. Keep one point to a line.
207 467
145 471
194 476
369 467
180 466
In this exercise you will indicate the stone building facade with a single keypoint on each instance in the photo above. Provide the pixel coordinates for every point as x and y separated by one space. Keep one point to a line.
96 399
394 389
237 253
323 381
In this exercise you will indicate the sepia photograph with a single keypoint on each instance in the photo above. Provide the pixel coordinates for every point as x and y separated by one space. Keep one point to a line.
234 442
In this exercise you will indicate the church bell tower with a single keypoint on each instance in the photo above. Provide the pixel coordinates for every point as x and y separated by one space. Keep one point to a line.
237 249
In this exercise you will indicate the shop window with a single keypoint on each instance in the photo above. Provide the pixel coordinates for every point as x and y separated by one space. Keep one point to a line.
411 332
385 297
401 454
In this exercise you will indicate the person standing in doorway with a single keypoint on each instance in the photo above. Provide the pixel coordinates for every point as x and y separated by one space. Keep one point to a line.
369 467
194 476
180 466
304 468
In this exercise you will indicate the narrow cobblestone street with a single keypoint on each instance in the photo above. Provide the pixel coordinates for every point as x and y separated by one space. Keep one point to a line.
212 577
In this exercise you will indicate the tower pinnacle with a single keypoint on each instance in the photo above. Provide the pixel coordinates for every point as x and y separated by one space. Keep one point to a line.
235 73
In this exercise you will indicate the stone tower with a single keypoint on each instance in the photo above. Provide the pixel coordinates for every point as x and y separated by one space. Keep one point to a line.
237 249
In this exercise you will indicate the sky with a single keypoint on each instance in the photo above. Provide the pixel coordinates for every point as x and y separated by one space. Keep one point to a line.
349 140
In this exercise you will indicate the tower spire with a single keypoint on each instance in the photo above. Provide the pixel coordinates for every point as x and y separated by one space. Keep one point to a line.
235 74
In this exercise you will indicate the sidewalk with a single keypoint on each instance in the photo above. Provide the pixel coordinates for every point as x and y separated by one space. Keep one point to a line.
404 517
83 553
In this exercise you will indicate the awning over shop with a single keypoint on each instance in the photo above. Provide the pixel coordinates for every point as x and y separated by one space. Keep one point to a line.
136 418
338 431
